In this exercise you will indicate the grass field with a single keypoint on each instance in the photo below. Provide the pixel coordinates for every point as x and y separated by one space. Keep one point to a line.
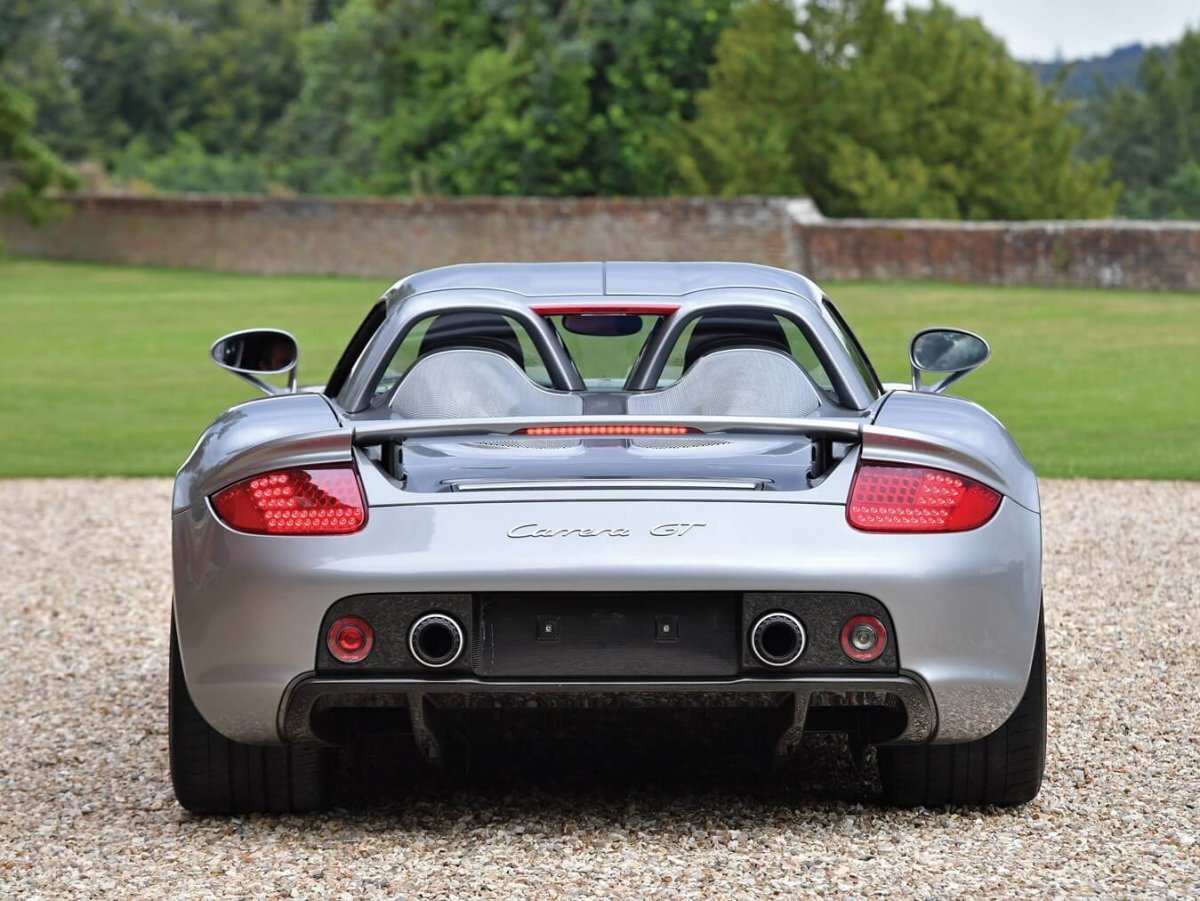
104 369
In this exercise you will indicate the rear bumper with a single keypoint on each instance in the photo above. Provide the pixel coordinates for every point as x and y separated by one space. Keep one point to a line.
249 608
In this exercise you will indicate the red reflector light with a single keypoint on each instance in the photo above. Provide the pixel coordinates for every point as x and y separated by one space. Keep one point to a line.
891 498
319 500
863 638
592 430
350 639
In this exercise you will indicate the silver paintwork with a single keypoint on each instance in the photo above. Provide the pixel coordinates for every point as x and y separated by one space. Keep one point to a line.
965 606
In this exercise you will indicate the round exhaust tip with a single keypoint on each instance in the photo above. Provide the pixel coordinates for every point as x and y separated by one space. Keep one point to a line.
436 640
777 639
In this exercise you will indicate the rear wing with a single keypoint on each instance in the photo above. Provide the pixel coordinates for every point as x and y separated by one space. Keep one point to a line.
367 434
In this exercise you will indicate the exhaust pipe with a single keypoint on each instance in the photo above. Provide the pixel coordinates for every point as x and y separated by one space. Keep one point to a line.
436 640
777 639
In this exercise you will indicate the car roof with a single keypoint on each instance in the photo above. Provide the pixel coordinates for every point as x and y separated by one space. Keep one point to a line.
603 279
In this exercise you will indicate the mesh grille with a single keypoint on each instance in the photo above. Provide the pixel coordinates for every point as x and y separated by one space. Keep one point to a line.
679 443
737 382
526 443
475 384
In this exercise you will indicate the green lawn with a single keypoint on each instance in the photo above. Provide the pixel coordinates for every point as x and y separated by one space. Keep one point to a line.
105 370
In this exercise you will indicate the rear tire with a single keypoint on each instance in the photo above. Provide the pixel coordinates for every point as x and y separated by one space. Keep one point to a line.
212 774
1004 768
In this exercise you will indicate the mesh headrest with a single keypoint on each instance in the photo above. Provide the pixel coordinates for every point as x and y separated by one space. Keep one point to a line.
486 331
737 382
464 383
734 328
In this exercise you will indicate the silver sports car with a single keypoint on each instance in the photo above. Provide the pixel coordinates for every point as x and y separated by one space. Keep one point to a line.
651 483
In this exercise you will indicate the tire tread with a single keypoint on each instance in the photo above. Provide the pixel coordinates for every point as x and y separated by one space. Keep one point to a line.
1004 768
212 774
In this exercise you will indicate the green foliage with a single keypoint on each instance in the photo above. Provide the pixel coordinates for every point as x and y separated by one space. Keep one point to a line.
1151 133
27 166
105 73
531 97
924 114
187 166
871 109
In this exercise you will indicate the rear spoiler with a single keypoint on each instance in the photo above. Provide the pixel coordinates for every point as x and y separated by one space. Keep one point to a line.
367 434
878 443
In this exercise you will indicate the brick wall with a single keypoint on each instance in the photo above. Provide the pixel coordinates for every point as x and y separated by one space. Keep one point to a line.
389 238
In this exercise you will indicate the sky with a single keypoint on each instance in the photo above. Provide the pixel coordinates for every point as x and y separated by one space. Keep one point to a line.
1040 29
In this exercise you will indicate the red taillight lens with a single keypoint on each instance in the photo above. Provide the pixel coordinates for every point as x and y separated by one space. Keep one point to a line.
350 639
319 500
602 430
889 498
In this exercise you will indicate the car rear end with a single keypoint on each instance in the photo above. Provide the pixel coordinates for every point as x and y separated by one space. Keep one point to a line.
747 589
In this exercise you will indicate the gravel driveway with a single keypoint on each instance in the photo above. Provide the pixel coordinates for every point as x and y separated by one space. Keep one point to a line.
86 806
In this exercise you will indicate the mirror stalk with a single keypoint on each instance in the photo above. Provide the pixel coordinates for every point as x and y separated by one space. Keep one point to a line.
266 387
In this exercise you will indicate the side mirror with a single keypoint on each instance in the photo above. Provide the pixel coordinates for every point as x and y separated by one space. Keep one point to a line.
256 352
949 350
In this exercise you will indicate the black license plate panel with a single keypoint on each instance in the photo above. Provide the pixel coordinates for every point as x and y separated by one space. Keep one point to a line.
606 635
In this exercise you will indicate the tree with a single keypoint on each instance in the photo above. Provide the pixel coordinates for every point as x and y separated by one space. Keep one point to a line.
106 73
524 97
1151 133
28 168
873 114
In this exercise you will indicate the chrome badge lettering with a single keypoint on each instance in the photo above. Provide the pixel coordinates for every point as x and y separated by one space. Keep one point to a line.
675 529
533 530
666 530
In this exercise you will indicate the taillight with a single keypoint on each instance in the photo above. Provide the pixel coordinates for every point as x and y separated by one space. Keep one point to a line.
318 500
892 498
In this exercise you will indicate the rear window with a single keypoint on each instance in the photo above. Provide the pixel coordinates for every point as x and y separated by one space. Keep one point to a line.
605 347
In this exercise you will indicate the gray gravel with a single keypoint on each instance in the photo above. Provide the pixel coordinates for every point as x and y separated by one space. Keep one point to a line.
86 807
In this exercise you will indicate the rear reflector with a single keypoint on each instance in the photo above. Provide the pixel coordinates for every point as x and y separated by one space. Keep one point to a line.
592 430
319 500
350 639
863 638
891 498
